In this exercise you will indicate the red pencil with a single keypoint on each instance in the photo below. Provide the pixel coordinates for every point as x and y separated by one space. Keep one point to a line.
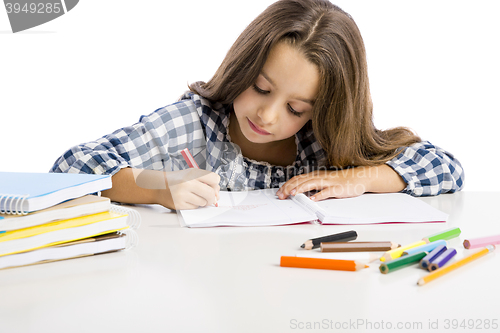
191 162
189 159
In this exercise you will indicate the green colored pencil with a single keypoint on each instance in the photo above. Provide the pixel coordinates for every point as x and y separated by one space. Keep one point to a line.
401 262
447 234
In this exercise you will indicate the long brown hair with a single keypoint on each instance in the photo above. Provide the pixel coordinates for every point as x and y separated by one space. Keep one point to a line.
329 38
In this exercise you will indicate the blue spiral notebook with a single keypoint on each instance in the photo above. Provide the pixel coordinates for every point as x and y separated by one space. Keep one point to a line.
22 192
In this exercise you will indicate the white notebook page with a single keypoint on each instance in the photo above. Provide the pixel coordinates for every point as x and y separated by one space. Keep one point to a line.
248 208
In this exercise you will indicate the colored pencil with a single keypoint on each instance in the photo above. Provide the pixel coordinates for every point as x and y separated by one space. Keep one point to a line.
444 270
480 242
396 253
357 256
425 248
446 234
340 237
401 262
358 246
424 263
189 158
191 162
442 259
340 265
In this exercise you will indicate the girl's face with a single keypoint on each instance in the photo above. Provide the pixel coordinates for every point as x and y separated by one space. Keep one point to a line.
280 101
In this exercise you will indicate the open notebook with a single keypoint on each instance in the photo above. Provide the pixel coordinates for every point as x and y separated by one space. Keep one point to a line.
263 208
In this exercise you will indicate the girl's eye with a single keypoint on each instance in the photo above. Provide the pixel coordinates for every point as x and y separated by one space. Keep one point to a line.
265 92
260 91
295 113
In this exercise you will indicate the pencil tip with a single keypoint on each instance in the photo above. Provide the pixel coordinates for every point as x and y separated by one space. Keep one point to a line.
366 266
303 246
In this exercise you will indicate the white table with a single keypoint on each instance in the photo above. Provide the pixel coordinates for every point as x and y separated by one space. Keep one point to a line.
229 280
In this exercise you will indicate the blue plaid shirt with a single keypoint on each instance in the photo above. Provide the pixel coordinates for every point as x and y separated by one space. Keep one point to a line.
155 143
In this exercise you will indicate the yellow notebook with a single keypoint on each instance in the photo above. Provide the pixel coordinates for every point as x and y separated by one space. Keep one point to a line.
22 240
105 243
86 205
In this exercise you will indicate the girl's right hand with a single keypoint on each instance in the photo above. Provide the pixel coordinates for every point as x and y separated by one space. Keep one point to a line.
190 189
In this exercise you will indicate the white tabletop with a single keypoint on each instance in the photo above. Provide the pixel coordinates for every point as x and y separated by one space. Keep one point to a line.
228 280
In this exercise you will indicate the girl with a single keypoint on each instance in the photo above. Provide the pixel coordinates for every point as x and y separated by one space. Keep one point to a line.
289 106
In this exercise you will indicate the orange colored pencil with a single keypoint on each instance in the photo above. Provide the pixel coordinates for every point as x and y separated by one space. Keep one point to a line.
318 263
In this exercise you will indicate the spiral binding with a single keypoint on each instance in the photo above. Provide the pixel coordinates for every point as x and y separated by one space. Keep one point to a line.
132 239
12 204
134 222
134 218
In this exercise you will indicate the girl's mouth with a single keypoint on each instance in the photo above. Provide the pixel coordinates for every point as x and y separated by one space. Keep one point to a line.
257 129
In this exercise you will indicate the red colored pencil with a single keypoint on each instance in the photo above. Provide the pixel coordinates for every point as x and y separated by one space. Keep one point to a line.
191 162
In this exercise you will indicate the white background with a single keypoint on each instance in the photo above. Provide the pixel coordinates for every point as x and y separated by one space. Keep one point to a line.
433 65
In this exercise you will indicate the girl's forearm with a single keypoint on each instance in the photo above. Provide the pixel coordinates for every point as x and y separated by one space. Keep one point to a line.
383 179
139 187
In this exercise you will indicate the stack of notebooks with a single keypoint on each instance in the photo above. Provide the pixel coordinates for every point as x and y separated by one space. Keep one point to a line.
48 217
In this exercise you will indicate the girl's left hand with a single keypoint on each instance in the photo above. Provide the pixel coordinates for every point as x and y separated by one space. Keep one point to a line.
345 183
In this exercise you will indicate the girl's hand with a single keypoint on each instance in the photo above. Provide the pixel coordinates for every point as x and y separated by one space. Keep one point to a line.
184 189
191 188
344 183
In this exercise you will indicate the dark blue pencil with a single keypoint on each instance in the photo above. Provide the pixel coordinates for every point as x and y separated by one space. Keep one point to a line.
426 261
442 259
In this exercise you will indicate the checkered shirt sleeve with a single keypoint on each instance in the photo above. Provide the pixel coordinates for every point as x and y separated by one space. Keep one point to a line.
428 170
153 143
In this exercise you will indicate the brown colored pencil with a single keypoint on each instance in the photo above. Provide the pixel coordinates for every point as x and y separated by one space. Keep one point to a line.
317 263
358 246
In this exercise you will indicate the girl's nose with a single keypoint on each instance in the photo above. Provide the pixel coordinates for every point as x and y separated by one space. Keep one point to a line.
268 114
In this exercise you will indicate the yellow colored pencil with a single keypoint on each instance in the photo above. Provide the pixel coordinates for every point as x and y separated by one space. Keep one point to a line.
396 253
446 269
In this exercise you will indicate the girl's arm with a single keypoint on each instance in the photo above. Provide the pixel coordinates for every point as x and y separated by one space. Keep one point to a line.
344 183
153 144
428 170
420 169
185 189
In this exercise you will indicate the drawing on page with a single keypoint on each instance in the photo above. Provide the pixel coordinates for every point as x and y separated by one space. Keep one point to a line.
242 207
